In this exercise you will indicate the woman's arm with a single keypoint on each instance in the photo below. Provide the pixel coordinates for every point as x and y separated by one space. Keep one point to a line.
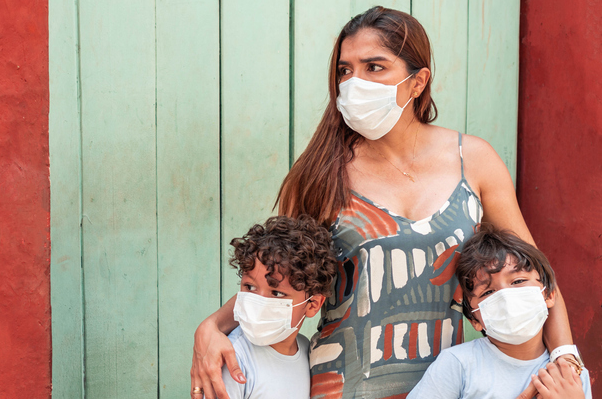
489 177
212 349
557 331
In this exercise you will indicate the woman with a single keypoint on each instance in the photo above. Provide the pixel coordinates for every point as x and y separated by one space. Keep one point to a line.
400 196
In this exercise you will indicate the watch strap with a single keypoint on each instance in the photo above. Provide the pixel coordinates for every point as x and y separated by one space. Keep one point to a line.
566 350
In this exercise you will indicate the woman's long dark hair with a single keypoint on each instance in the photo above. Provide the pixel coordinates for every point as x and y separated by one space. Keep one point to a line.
318 183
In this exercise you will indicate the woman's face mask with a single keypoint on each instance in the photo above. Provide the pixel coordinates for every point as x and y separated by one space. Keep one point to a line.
370 108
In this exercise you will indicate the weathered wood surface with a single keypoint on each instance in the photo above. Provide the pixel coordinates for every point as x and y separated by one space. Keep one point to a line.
188 190
170 133
65 206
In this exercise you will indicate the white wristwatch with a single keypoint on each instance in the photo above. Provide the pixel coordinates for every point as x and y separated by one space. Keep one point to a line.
566 350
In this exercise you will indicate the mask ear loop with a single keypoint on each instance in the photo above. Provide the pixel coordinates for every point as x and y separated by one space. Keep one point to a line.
409 76
301 303
303 318
404 107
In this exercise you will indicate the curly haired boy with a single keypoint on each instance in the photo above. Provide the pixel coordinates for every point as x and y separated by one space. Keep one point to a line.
286 268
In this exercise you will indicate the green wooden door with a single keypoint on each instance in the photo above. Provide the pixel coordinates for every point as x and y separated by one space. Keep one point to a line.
172 124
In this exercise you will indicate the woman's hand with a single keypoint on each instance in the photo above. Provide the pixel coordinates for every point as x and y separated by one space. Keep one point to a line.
558 381
212 349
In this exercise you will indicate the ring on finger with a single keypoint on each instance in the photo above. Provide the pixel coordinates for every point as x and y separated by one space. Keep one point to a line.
198 390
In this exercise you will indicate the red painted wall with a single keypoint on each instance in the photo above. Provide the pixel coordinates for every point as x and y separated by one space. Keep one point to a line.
25 344
560 155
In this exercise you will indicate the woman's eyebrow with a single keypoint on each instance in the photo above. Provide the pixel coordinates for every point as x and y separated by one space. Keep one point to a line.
366 60
372 59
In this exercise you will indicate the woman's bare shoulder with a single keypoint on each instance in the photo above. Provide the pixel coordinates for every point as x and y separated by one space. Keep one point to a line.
480 157
482 164
441 137
475 146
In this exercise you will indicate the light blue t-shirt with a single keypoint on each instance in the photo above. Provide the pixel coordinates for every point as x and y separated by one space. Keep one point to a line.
269 374
478 369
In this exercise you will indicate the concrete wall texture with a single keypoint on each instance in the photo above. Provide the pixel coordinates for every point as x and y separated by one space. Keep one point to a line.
559 155
25 343
559 175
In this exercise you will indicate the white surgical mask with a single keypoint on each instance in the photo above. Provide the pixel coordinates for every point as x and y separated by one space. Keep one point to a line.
265 321
369 108
514 315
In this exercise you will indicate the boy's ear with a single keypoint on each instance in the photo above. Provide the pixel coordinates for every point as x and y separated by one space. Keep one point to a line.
476 324
551 298
315 304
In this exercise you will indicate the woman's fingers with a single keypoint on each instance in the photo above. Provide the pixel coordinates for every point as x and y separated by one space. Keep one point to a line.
554 372
570 378
528 393
207 387
196 385
212 349
576 377
212 376
233 367
568 371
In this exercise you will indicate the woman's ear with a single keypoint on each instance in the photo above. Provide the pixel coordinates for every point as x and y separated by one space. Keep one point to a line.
421 78
315 304
551 298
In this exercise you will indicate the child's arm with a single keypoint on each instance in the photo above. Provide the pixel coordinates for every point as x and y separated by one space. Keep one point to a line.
562 382
442 380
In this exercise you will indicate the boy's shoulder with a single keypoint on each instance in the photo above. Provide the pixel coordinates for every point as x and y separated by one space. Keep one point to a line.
247 352
303 343
238 339
269 374
467 350
482 352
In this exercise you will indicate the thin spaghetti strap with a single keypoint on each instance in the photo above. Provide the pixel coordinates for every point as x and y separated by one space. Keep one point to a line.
461 157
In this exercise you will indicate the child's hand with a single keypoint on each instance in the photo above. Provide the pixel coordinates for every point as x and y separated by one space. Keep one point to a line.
558 381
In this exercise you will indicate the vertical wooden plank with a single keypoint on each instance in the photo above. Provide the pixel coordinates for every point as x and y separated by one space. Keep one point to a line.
119 198
492 106
492 85
359 6
187 181
65 168
317 25
255 122
446 24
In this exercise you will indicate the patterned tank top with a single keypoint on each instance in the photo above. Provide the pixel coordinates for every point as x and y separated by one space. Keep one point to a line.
396 301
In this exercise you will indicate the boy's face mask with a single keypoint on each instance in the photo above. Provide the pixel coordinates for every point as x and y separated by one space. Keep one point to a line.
265 321
514 315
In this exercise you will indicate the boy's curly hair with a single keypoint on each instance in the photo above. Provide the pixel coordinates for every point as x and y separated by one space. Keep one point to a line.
299 249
